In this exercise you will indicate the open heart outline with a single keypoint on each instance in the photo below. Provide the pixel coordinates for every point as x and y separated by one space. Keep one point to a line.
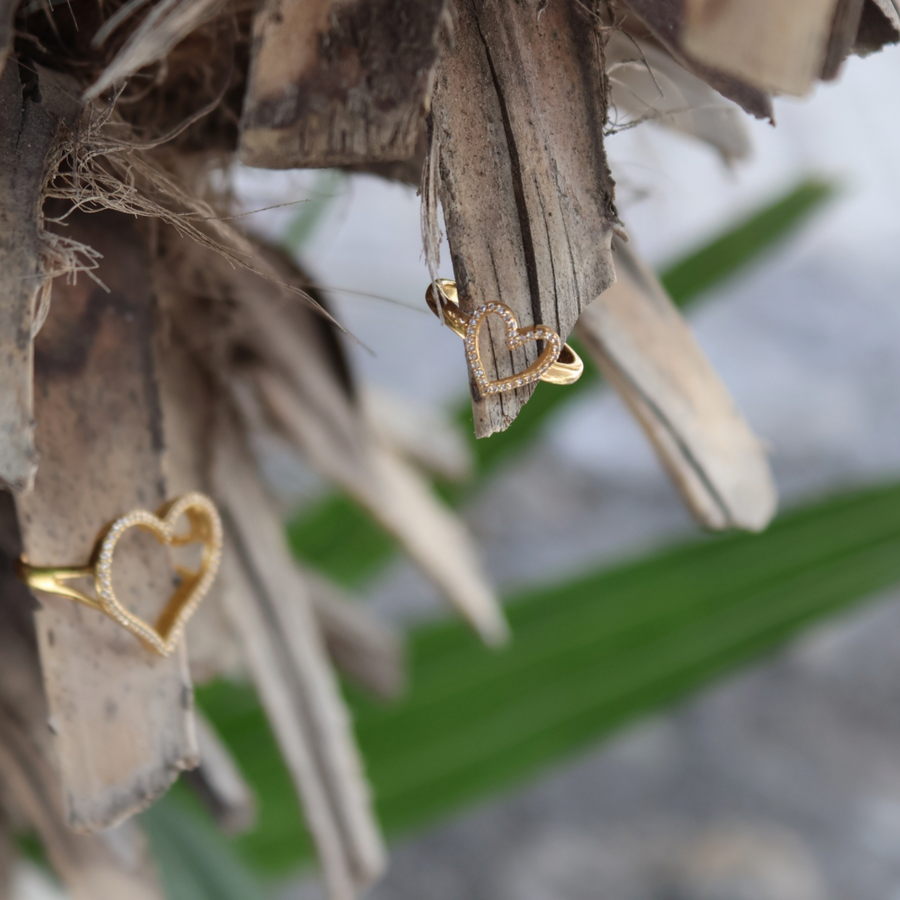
205 527
515 337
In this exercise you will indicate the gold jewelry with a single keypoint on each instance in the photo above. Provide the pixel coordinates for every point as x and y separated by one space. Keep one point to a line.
205 527
557 363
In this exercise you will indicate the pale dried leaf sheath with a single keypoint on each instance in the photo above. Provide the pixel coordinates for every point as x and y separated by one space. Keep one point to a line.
519 116
29 121
296 681
665 21
367 650
122 715
647 352
775 45
339 82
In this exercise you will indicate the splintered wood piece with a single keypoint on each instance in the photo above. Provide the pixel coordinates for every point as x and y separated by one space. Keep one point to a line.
339 82
364 648
30 117
879 25
288 661
648 84
775 45
219 783
402 502
525 187
665 21
122 715
648 354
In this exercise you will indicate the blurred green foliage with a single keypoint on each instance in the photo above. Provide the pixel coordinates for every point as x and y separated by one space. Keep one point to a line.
588 656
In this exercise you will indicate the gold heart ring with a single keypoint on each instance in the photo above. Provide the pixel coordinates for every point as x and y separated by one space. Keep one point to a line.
557 363
204 526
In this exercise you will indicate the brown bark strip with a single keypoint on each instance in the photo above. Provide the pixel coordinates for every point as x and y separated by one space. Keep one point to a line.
121 715
646 351
665 21
339 82
30 115
775 45
519 117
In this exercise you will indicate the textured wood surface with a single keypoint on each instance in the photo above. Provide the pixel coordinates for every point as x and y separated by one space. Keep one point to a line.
519 115
777 46
122 716
647 352
339 82
30 116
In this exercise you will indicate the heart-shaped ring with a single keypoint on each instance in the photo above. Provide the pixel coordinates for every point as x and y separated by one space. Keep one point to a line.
557 363
204 526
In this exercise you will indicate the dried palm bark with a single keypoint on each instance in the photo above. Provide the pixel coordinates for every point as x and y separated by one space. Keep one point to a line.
526 191
193 343
644 348
122 717
338 83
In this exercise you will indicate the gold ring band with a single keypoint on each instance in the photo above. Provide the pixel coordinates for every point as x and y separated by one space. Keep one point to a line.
204 526
558 363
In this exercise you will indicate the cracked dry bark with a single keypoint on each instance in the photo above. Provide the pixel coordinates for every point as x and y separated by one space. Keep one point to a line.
122 717
525 187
